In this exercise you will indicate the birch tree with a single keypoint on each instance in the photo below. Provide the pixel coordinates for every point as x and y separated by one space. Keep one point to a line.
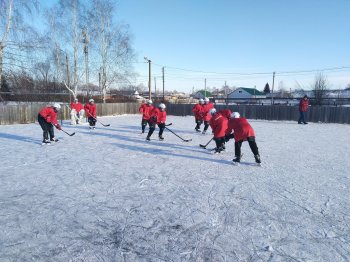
65 24
15 32
112 43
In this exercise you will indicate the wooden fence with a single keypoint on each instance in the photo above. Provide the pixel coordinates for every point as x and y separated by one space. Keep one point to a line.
22 114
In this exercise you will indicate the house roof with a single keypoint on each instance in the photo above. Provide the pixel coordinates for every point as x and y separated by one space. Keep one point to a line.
203 92
252 91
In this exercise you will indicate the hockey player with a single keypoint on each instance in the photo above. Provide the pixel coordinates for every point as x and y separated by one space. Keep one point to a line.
146 111
90 110
158 116
47 118
303 107
77 112
198 114
206 113
218 124
242 131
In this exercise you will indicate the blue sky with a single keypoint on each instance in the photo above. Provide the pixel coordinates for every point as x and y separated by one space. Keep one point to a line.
240 42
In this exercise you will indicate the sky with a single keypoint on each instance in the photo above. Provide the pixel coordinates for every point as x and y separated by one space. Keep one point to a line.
207 43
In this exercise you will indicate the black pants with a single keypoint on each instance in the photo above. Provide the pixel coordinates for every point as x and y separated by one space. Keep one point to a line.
198 122
92 121
206 125
152 127
252 145
144 123
46 127
220 142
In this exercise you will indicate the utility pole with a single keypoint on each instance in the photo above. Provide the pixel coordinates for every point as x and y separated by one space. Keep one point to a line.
205 87
163 83
273 84
149 77
155 88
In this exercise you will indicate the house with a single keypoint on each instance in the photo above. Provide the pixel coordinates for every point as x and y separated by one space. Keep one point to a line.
202 94
246 93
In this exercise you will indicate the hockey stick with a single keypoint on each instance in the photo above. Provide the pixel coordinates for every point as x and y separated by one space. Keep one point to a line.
101 122
205 146
185 140
169 124
72 134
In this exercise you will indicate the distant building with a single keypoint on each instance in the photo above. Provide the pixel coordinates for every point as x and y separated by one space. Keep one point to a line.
243 92
202 94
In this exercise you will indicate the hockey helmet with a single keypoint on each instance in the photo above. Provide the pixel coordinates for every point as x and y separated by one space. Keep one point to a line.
212 111
206 100
149 102
56 106
91 100
235 115
162 106
201 101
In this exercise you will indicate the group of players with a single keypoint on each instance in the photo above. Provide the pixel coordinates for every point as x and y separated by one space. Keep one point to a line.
47 118
225 124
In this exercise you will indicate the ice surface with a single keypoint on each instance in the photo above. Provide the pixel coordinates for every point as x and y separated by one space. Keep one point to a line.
110 195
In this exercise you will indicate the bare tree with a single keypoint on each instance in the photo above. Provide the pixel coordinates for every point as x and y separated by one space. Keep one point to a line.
113 46
65 22
15 33
320 87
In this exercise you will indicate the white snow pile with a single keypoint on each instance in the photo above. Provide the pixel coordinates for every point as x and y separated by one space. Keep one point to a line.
110 195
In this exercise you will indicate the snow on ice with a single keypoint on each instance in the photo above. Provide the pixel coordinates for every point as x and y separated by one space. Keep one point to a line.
110 195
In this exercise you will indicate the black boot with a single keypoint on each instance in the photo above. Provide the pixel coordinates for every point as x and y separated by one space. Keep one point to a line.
237 159
148 138
257 159
161 138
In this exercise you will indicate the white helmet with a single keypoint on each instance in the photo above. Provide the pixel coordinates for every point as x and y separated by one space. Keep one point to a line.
201 101
212 111
75 99
162 106
149 102
235 115
91 100
57 106
206 99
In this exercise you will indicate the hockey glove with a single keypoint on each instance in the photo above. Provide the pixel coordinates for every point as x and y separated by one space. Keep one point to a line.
58 126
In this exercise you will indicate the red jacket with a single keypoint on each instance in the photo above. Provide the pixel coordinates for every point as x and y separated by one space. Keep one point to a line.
241 128
226 113
198 111
218 124
303 105
142 108
77 106
147 112
206 109
160 115
90 110
49 114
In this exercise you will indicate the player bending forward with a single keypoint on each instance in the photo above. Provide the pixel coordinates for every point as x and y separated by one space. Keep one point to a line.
242 131
158 116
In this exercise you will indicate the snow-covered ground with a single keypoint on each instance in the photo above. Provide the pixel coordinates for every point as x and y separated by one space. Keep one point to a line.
110 195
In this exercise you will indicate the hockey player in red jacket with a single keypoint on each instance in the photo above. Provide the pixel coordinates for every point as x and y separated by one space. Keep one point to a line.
158 116
47 118
303 106
206 113
218 124
77 112
226 113
242 131
90 110
198 114
146 111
